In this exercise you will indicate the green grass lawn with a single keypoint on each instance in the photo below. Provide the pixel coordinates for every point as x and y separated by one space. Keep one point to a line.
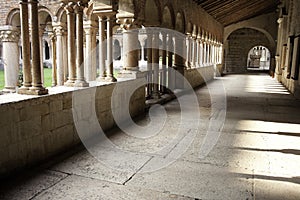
1 79
47 77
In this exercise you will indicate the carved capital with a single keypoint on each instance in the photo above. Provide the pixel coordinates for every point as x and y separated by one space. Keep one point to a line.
9 35
59 30
128 23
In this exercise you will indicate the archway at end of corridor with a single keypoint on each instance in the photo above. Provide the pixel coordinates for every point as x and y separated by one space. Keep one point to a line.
247 48
259 59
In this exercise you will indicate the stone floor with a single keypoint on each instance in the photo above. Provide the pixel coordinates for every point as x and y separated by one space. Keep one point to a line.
189 153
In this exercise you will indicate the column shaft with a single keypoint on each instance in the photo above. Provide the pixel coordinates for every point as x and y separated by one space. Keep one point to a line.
110 69
155 65
101 48
10 38
27 76
37 85
80 81
71 46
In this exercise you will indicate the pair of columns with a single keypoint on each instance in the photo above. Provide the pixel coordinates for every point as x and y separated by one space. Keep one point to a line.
32 74
74 13
106 46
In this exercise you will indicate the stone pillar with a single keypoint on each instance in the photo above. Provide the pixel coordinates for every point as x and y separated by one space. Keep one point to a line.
27 76
59 31
149 62
131 49
110 69
37 85
296 59
80 80
71 45
42 50
289 55
188 52
164 62
171 76
54 63
90 58
179 61
155 66
9 36
102 74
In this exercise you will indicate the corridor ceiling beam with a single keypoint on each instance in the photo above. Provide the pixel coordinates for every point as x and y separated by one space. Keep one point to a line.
233 11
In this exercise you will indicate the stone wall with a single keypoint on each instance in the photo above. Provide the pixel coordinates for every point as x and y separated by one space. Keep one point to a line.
199 76
36 128
238 45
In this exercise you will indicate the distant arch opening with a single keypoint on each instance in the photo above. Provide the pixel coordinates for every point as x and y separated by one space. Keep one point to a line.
259 58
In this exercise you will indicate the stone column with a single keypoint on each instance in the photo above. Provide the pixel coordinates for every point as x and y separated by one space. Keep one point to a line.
110 69
59 31
90 58
27 76
80 80
149 62
42 50
188 52
155 66
37 85
164 62
289 55
171 77
71 45
54 65
9 36
296 59
179 61
102 74
194 52
131 49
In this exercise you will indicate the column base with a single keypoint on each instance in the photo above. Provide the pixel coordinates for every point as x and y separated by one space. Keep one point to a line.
101 78
33 91
9 90
132 74
69 83
110 79
81 84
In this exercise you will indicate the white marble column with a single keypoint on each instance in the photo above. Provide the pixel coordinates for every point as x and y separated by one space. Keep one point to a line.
90 58
171 75
80 80
155 66
110 69
52 37
42 50
59 31
71 45
9 36
102 67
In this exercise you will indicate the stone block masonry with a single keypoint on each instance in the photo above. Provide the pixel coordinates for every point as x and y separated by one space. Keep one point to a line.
33 129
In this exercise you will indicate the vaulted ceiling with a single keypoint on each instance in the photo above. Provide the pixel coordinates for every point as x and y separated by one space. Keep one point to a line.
232 11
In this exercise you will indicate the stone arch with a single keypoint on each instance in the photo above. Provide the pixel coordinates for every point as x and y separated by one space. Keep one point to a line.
267 34
45 15
152 13
13 18
180 22
238 44
168 19
61 15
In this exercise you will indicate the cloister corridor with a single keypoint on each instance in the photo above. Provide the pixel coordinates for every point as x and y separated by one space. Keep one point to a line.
257 154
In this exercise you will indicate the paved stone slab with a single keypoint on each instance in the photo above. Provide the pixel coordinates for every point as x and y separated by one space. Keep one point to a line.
30 185
76 187
201 181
